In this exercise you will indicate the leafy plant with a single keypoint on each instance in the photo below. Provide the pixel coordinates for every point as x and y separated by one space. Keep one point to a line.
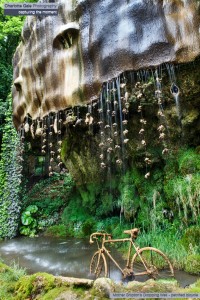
29 223
50 195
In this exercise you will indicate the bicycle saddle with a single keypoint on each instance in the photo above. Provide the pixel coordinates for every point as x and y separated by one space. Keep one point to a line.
133 232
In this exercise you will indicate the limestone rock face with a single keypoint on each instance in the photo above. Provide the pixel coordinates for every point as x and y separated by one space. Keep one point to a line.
63 60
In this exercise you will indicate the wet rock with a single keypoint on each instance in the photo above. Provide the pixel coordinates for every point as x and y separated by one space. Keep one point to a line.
153 286
67 296
104 285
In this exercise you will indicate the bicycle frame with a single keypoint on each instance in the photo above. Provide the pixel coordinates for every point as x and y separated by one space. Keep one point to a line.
128 262
141 254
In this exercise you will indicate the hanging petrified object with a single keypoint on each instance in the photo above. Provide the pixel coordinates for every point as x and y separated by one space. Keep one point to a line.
125 132
26 126
165 150
78 122
89 119
119 162
55 124
109 150
103 165
126 141
143 142
117 147
32 130
107 126
162 135
38 129
147 175
141 131
161 128
147 160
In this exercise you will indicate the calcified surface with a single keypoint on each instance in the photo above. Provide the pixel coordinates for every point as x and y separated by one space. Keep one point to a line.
63 60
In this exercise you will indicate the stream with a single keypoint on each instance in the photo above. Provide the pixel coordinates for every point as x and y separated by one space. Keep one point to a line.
60 256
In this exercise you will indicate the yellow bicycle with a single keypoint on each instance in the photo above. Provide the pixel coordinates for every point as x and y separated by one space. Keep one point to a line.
147 261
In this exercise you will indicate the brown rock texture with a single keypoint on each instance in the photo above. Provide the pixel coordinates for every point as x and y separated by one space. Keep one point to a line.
62 61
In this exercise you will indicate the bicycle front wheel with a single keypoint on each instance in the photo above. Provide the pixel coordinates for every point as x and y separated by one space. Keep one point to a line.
150 262
98 265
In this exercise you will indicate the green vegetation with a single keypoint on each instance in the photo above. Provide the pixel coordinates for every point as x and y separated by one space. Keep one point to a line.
8 279
166 207
28 221
10 30
57 230
155 206
193 264
10 155
44 203
15 284
10 178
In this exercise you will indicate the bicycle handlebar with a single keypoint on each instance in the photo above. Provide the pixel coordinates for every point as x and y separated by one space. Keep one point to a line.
93 236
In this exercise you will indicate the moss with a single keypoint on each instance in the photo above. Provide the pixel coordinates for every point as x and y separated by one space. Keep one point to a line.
31 286
189 161
190 117
54 293
64 149
192 265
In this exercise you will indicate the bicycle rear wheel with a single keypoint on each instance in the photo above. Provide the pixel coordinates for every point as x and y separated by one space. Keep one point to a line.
98 265
157 263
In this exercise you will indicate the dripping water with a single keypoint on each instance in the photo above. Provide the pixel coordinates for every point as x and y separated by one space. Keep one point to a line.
120 121
174 88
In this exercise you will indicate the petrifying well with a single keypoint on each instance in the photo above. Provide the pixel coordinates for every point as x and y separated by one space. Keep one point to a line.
62 61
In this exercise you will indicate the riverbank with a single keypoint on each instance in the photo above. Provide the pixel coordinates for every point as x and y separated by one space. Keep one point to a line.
182 248
69 257
15 284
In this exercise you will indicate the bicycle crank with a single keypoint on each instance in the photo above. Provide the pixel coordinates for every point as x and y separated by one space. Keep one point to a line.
128 272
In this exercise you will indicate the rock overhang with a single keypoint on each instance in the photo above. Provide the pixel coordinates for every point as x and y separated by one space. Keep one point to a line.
62 61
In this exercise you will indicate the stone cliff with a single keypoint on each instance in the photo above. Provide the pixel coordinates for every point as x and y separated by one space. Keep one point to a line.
62 61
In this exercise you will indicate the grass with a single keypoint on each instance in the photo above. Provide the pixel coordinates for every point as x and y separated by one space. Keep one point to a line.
9 276
56 230
168 243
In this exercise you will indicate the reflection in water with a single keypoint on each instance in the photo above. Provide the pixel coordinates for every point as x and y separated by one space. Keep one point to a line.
59 256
